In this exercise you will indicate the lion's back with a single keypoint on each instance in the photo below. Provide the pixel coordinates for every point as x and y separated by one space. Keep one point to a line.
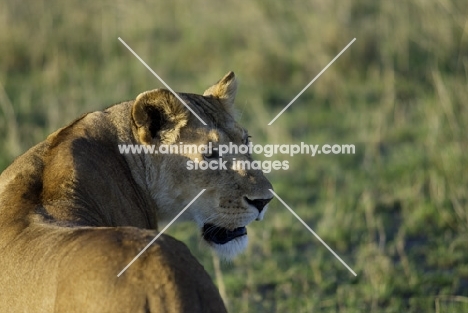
80 266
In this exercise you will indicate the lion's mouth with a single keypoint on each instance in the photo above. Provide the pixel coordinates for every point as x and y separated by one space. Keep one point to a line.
221 235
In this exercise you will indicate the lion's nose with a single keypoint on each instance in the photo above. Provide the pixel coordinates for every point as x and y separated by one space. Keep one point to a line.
258 203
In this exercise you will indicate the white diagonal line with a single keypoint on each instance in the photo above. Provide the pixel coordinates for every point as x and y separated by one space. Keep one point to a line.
160 79
313 80
313 233
160 233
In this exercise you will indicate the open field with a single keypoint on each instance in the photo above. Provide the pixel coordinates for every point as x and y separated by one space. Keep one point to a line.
396 211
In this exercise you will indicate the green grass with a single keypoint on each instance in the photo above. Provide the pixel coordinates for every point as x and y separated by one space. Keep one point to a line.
396 211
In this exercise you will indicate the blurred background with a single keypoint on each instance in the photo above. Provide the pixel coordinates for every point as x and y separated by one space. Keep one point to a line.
396 211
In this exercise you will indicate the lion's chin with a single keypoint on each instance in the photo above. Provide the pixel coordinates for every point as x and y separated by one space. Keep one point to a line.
231 249
227 243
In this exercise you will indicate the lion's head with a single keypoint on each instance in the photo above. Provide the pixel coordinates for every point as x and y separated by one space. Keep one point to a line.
234 196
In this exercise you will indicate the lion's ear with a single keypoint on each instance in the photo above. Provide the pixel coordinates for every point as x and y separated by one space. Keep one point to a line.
225 90
158 116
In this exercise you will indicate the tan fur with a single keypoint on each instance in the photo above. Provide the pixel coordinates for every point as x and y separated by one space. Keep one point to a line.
74 211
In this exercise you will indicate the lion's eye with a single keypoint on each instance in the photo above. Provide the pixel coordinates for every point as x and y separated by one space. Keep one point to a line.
213 155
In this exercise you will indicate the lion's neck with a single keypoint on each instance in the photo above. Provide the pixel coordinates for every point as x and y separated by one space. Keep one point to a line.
92 184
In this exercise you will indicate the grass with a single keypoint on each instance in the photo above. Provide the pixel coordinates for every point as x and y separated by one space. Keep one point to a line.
396 211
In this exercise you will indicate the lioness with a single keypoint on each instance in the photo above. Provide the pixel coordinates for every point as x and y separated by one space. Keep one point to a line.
74 211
